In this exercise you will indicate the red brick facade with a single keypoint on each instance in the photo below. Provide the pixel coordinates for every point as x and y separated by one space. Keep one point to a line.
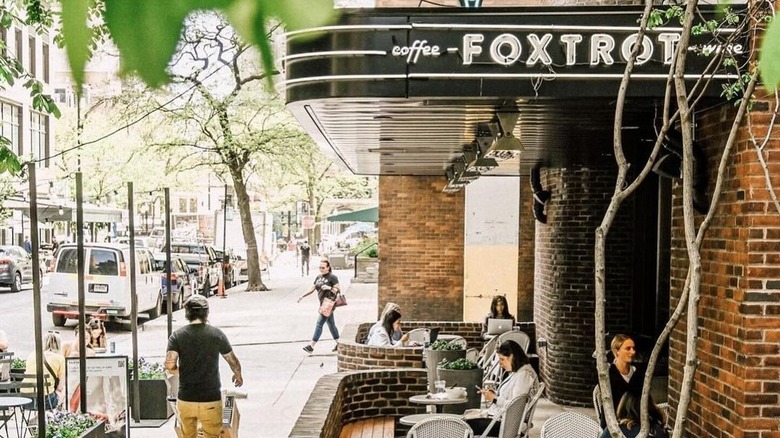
738 379
421 261
525 255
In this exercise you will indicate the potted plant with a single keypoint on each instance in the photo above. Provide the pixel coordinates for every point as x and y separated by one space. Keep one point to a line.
18 366
437 352
153 391
65 424
462 372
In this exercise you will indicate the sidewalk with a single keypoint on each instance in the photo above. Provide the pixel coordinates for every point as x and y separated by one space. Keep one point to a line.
267 331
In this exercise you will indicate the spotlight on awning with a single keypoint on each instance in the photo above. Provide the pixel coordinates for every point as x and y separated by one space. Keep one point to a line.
500 144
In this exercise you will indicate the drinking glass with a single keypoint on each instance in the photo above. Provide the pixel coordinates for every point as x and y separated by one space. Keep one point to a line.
441 387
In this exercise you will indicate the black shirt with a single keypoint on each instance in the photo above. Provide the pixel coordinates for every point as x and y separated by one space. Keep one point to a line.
199 347
305 251
329 279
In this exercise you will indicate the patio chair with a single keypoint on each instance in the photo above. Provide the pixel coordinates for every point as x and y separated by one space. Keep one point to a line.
6 359
530 409
472 354
419 335
522 339
570 425
511 418
460 340
446 427
487 353
598 405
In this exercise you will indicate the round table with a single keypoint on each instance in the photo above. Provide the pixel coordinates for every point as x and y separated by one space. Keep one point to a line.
411 420
13 404
433 401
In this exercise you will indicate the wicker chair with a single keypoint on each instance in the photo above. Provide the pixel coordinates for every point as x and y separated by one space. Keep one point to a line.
419 335
522 339
598 405
460 340
447 427
570 425
511 418
530 409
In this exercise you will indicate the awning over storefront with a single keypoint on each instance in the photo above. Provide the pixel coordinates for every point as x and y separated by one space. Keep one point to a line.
52 211
423 91
365 215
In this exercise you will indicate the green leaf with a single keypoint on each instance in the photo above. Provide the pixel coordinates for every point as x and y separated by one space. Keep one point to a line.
146 33
301 14
76 32
769 57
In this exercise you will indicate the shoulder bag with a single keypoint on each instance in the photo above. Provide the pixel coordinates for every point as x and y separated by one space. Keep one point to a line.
341 300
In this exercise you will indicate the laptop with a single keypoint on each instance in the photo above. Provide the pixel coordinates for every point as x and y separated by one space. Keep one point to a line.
433 334
498 326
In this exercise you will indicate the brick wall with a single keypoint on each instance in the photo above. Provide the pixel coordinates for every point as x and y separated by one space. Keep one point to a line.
343 398
564 279
525 255
738 380
421 261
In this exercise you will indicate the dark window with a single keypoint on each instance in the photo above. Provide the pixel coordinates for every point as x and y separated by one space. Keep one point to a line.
39 138
102 262
19 47
33 57
68 261
10 117
46 65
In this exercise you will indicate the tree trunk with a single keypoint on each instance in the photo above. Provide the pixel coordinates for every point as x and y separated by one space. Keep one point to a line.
255 282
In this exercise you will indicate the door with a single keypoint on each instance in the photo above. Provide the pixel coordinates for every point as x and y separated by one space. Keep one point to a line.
25 264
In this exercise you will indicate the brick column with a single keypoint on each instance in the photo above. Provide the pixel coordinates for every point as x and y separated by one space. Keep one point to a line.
525 256
421 248
737 387
564 294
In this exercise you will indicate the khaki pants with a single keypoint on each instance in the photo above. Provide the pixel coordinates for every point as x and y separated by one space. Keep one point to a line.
208 413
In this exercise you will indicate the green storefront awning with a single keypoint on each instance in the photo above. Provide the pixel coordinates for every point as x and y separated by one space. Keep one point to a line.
365 215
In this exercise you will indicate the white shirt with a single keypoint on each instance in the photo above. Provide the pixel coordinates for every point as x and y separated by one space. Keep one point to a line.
380 338
518 383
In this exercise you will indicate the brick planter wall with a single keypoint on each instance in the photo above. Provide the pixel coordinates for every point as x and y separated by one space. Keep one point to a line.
737 384
346 397
564 294
353 354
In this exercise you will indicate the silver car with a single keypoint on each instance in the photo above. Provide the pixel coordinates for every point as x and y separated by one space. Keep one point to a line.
16 267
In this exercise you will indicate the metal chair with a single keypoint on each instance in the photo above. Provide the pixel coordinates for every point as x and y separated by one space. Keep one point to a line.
6 359
487 353
570 425
522 339
472 354
598 405
530 409
511 418
445 427
419 335
460 340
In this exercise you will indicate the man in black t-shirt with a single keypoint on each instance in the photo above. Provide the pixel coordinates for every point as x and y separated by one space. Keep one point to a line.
193 352
305 251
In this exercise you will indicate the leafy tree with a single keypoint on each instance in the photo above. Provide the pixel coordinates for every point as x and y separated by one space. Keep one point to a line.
680 102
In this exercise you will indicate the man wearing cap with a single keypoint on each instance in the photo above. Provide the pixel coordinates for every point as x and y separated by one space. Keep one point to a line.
193 352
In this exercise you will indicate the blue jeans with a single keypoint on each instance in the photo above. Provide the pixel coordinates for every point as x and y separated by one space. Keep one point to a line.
321 320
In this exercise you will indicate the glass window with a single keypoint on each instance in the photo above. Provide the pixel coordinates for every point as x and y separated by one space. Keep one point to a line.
39 140
193 205
143 261
102 262
33 64
10 116
68 261
19 50
182 205
46 65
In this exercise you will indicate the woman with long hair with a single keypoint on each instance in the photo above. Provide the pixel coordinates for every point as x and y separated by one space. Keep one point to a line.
327 285
382 337
53 369
499 309
520 380
624 375
396 335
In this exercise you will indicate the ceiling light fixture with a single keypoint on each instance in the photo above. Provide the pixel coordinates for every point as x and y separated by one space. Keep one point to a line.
500 144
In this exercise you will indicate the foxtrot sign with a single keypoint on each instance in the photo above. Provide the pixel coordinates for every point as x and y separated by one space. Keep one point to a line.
485 53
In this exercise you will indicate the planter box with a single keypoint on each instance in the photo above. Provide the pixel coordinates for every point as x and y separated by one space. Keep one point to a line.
367 270
469 379
154 399
432 359
96 431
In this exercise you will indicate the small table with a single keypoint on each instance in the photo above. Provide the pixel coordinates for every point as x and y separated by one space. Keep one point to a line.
13 404
434 402
411 420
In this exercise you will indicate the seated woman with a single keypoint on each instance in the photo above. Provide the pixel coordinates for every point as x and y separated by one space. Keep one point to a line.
521 380
382 337
499 309
396 336
623 376
53 367
628 416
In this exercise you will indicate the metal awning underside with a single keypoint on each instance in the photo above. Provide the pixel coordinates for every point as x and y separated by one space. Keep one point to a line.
365 215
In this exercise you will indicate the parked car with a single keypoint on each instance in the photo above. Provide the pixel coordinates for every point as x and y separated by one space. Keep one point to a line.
140 242
183 282
107 283
16 267
201 259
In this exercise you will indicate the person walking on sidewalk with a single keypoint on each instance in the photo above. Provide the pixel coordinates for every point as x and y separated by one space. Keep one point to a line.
305 256
193 352
327 285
